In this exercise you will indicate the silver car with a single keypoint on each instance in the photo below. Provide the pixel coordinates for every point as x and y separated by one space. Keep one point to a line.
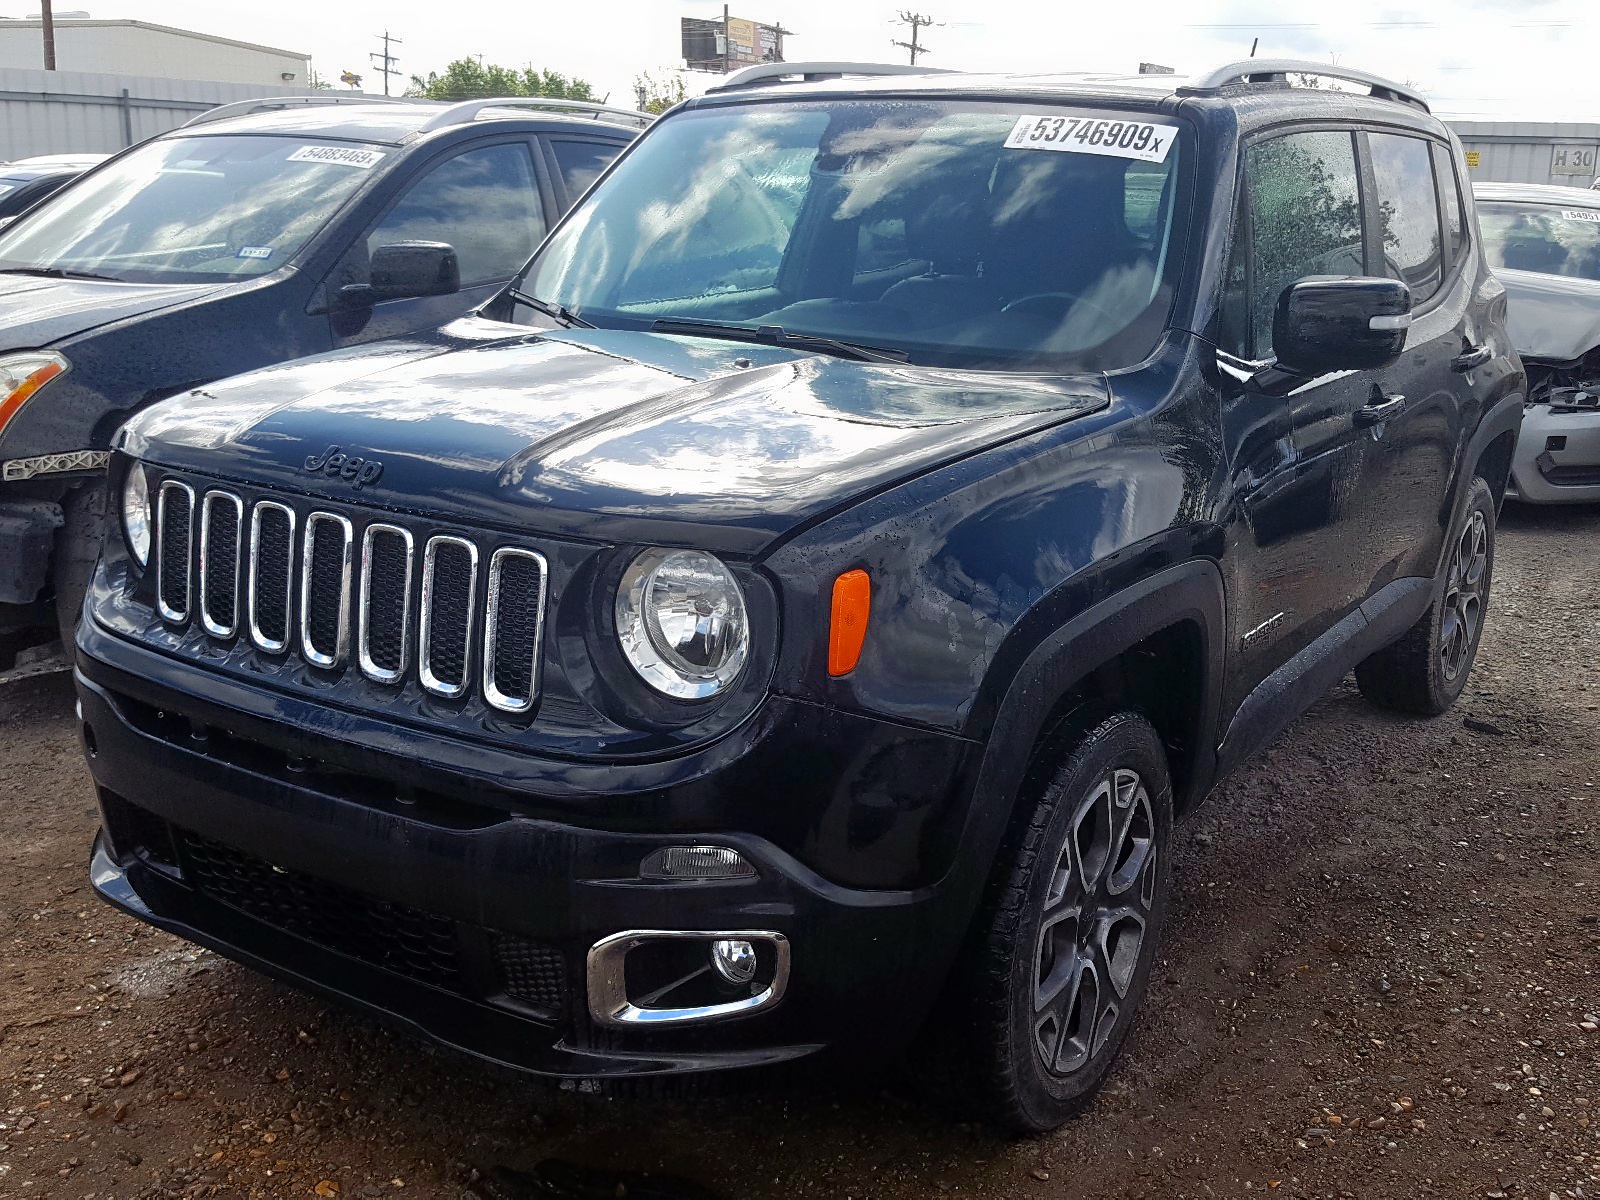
1544 244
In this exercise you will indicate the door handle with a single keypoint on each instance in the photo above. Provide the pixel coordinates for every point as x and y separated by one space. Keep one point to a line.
1379 409
1471 356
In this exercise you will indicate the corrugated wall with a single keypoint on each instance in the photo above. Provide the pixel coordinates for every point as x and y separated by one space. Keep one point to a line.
1566 153
66 112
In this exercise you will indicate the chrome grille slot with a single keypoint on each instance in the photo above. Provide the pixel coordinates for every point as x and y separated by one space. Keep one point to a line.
175 529
271 575
325 569
513 627
221 520
384 624
449 591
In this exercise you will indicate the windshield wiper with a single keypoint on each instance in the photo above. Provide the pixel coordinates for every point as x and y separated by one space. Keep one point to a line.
559 313
58 273
776 335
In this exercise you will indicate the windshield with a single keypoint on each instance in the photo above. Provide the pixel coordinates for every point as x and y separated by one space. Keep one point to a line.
191 210
1541 237
954 232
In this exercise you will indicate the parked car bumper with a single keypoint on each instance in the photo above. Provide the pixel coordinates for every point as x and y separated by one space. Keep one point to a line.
1557 459
476 926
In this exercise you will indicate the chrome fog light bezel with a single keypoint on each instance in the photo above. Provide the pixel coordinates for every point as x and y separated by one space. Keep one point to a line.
610 1006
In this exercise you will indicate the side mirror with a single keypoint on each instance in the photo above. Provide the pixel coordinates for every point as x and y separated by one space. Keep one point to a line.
404 270
1329 323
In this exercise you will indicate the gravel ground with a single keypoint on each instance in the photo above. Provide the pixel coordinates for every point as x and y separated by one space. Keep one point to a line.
1382 980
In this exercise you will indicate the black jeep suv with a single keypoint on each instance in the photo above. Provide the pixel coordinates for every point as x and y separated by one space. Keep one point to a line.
801 604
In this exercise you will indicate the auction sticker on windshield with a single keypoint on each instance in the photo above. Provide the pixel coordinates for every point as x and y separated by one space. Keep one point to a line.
344 156
1093 135
1581 214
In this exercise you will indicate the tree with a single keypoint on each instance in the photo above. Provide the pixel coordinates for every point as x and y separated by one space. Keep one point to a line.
469 79
658 95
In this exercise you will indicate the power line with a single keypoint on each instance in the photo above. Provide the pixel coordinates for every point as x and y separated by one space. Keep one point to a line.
386 64
918 23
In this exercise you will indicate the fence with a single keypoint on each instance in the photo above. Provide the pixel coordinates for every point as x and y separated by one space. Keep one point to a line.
76 112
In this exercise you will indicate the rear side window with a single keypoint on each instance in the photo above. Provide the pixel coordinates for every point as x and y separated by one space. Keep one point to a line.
1408 212
1455 230
581 163
1303 217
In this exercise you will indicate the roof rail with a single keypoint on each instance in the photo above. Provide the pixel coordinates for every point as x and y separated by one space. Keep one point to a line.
467 110
778 72
1276 70
243 108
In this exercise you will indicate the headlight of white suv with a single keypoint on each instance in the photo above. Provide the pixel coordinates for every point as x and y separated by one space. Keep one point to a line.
682 621
136 513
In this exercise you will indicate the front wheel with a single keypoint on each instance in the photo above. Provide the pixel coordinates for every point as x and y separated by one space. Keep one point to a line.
1073 926
1427 668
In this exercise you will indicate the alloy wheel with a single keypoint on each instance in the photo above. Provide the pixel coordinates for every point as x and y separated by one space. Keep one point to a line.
1097 912
1463 596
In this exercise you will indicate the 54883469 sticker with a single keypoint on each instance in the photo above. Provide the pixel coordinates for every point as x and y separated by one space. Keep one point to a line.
1111 137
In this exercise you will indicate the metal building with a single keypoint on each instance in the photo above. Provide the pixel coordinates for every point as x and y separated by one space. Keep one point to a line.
1560 152
75 112
141 48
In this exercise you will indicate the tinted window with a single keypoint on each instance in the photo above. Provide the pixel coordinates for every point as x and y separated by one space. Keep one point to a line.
954 230
1545 238
581 163
1450 192
485 203
1304 205
1408 212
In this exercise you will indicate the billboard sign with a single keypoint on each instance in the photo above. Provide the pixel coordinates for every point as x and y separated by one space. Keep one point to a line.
707 46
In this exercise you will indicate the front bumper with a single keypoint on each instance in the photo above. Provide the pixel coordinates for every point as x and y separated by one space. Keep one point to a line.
1563 471
27 536
470 923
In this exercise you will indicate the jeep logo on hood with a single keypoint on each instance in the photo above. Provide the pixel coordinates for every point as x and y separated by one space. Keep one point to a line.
335 464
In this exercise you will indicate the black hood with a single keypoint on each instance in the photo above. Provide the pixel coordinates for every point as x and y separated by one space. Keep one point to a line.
1551 317
600 433
36 311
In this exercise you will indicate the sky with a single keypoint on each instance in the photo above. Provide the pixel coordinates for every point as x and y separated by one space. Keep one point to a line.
1522 59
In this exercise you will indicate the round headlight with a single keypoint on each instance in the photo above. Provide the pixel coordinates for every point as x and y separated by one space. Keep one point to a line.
136 514
682 621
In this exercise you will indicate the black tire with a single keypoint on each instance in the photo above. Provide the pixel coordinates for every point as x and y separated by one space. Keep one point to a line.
1105 816
77 550
1424 671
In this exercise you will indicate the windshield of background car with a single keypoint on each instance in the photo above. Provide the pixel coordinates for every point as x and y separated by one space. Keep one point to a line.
964 233
192 209
1546 238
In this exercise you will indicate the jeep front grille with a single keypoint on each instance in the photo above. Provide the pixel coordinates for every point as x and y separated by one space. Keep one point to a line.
175 513
221 517
322 584
325 590
271 575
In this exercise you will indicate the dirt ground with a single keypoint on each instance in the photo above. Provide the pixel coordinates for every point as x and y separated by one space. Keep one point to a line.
1382 980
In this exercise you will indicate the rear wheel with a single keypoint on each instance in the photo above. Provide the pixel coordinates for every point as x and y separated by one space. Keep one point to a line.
1073 926
1426 669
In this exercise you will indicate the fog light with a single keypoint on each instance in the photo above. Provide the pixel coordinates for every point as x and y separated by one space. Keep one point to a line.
695 862
734 959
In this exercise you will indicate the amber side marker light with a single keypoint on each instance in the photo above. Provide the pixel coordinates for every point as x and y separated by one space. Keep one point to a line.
852 600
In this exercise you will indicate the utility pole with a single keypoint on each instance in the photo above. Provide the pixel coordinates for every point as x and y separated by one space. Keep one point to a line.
385 62
48 20
918 22
727 42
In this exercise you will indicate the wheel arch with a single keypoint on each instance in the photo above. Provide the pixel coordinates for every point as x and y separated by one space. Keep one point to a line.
1156 646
